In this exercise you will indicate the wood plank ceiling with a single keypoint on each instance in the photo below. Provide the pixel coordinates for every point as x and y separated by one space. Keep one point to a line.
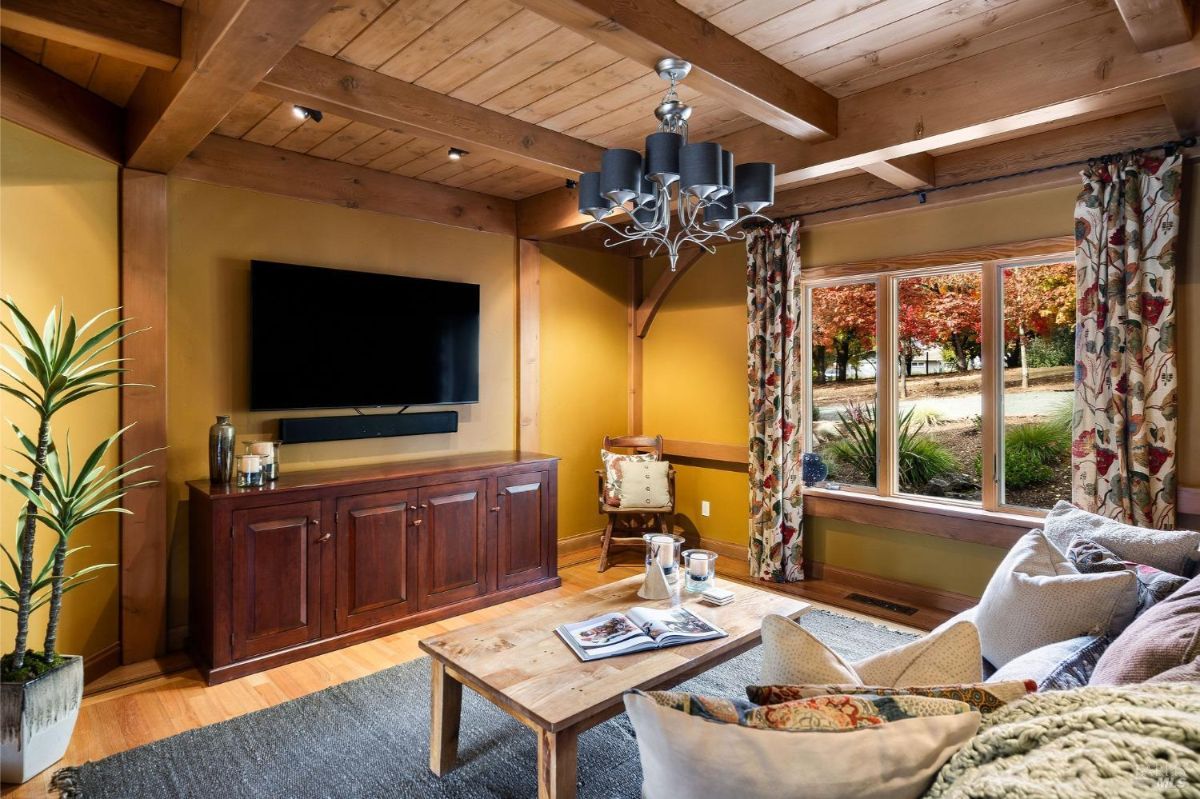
505 58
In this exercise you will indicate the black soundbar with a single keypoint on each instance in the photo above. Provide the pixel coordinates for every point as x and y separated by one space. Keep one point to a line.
341 428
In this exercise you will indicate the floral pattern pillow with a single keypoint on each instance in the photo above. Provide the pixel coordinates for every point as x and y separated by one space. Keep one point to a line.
827 713
612 475
983 698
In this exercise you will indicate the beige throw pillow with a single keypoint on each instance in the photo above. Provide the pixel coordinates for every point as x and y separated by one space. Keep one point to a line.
643 484
685 755
1036 597
794 656
612 478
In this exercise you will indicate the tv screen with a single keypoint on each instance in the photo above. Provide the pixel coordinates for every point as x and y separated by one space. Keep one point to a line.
331 338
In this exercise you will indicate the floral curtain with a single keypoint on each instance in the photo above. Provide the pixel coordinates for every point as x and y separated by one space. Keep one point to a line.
774 302
1126 233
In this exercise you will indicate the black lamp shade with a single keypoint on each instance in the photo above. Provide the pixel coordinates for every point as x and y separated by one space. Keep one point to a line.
590 200
644 215
700 168
720 213
662 157
620 175
754 186
726 173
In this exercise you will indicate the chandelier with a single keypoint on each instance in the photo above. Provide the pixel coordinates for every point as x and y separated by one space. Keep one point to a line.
712 196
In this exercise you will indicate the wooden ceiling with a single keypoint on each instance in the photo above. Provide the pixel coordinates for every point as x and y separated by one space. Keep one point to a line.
575 80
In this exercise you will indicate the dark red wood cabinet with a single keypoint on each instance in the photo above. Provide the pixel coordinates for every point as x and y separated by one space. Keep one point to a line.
323 559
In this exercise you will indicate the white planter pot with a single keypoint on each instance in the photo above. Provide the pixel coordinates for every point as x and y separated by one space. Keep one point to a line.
37 719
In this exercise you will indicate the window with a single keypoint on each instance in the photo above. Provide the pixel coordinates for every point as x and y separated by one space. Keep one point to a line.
946 382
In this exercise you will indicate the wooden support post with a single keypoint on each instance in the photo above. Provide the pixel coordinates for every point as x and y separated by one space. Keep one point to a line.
992 382
144 304
529 267
633 344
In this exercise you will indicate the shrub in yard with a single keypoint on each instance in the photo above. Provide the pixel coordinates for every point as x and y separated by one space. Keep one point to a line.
1032 449
1057 349
1023 468
921 458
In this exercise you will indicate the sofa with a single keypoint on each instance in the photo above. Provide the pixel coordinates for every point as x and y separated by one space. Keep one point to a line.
1077 674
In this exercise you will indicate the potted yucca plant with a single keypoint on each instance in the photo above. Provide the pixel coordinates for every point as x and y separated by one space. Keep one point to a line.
40 691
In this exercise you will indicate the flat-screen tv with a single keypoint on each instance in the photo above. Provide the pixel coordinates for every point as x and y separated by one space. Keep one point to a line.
333 338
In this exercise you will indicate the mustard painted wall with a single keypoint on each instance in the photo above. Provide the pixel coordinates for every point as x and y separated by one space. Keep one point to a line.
695 366
583 372
215 232
58 242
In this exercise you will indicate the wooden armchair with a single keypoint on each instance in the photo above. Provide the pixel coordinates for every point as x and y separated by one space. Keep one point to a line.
626 526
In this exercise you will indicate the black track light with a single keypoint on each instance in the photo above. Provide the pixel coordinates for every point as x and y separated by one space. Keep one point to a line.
307 113
455 154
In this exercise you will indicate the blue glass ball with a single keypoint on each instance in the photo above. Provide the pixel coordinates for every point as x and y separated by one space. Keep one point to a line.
813 469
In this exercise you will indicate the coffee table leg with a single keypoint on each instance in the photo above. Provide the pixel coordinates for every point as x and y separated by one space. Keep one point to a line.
557 762
445 714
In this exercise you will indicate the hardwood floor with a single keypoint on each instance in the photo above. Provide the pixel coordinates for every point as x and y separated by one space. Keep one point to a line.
133 715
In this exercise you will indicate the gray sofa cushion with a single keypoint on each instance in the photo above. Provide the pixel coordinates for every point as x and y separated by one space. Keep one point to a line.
1174 551
1057 666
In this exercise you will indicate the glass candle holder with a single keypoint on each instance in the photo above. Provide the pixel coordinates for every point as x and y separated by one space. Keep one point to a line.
268 455
664 549
700 566
249 471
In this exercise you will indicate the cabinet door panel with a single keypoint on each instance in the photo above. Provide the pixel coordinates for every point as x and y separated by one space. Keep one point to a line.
374 558
276 577
521 534
453 542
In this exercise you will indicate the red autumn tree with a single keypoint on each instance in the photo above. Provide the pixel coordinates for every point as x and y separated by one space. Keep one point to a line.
1037 301
843 323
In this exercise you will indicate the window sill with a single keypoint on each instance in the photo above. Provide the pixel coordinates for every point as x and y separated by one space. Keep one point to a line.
958 522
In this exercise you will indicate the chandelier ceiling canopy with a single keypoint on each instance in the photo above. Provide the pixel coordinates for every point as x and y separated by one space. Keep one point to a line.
709 194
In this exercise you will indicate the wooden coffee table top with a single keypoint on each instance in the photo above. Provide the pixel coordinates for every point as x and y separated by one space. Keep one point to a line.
520 663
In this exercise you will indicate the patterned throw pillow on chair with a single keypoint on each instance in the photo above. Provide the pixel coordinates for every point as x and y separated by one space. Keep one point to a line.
612 477
643 484
794 656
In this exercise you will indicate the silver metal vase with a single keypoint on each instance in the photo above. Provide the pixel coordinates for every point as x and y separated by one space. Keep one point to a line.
220 451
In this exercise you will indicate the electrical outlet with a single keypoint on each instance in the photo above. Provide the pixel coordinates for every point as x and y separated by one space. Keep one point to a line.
705 508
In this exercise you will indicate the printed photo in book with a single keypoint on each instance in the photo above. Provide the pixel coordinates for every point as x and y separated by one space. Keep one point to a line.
636 630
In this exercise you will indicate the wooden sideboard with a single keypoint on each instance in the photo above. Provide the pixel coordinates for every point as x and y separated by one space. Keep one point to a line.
322 559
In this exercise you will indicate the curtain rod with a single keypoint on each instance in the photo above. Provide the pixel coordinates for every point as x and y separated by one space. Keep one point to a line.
1169 148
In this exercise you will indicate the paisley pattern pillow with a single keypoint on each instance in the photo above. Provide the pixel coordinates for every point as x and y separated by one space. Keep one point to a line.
826 713
984 698
612 476
1153 585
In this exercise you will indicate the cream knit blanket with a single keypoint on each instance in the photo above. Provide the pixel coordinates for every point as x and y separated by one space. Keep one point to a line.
1124 742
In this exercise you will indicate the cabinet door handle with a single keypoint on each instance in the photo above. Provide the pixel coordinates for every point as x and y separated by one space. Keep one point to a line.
324 538
416 522
495 509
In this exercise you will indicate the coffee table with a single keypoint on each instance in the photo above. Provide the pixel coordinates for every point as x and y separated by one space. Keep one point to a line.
519 664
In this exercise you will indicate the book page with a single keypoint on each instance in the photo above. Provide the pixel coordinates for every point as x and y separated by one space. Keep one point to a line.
675 622
603 631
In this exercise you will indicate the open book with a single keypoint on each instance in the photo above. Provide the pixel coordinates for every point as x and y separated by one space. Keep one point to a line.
636 630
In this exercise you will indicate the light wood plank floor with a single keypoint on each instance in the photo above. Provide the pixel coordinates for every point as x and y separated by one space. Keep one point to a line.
133 715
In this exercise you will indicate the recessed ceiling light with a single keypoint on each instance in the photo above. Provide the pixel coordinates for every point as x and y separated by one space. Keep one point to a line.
307 113
455 154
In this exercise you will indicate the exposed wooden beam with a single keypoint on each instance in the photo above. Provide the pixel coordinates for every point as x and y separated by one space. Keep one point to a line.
723 67
142 31
734 454
311 79
529 374
910 172
241 164
553 214
36 98
1154 24
227 45
1089 66
144 542
648 308
1184 108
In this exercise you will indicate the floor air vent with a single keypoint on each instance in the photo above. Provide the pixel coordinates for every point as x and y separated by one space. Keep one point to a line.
894 607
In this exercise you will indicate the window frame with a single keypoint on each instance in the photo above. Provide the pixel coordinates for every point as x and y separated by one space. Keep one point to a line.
886 274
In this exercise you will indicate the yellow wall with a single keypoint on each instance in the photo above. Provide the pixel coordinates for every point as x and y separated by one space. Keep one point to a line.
214 234
58 242
583 372
695 366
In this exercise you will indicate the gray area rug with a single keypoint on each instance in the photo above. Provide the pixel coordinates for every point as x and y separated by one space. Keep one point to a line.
369 738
